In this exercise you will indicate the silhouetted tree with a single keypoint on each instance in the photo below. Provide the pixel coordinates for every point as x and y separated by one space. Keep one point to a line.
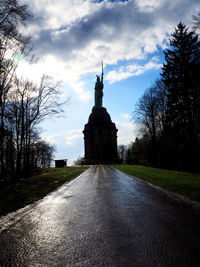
28 105
134 153
79 161
12 44
12 15
196 22
130 153
122 153
168 114
140 151
149 114
23 105
180 75
42 154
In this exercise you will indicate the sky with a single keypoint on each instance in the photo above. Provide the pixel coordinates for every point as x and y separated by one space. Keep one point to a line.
72 37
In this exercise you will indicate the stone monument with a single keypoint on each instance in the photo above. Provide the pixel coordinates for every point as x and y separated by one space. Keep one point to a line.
100 133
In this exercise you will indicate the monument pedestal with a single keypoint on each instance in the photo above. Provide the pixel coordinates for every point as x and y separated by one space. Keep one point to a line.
100 136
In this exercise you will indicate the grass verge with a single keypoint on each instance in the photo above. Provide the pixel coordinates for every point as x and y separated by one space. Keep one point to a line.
24 192
183 183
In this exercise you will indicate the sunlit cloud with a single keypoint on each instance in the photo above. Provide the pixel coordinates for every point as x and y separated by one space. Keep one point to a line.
51 140
73 36
72 136
126 132
126 116
131 70
61 74
69 138
148 5
78 87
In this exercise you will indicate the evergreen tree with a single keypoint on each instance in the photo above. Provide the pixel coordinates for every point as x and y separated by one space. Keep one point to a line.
180 75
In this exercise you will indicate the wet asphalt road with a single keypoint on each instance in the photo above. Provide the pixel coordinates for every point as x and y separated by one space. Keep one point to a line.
104 218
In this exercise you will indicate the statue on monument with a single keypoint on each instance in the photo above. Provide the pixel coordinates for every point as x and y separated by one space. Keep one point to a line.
100 133
99 90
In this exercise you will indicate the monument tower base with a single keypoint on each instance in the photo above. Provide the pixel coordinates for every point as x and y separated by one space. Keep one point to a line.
100 137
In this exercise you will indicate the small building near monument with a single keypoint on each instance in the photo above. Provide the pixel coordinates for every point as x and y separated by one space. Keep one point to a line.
60 163
100 133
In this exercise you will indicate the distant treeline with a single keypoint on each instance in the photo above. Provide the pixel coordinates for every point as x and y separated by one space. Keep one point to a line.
168 113
22 103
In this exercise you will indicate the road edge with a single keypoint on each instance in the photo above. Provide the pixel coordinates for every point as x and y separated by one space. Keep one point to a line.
175 196
13 217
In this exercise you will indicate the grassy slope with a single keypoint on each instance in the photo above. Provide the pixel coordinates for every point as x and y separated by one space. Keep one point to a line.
184 183
15 196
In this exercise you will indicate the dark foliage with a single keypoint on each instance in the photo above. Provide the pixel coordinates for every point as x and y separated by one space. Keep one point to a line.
169 112
79 161
23 105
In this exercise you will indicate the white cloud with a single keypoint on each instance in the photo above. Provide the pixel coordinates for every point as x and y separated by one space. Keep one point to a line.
72 136
51 139
61 73
126 132
78 87
69 138
126 116
148 5
72 37
131 70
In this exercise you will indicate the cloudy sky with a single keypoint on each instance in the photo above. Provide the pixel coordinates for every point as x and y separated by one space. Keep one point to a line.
72 37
